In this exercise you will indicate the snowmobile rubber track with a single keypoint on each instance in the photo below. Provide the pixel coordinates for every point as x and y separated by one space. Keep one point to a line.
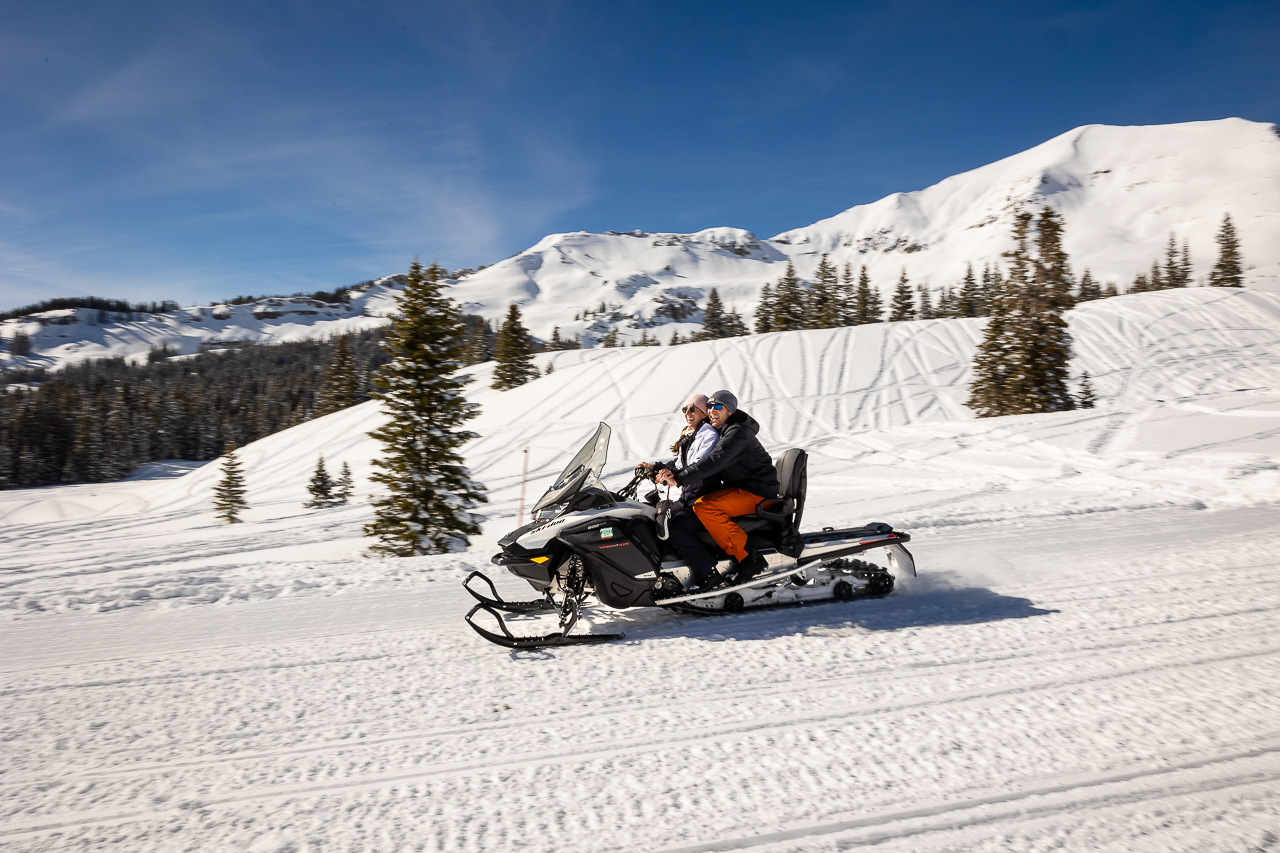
511 641
496 602
691 608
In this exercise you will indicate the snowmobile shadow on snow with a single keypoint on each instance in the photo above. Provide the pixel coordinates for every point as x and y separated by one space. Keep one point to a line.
934 605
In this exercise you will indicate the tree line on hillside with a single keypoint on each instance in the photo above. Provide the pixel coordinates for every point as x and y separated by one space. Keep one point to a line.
95 422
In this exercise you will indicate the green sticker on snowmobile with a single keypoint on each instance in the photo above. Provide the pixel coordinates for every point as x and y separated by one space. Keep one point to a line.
606 532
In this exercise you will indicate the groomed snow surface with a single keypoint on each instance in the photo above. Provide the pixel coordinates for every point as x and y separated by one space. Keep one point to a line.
1087 661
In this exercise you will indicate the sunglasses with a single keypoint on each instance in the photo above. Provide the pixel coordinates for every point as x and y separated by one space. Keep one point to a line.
716 406
684 410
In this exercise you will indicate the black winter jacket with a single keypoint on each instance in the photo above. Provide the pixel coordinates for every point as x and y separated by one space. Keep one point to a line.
738 460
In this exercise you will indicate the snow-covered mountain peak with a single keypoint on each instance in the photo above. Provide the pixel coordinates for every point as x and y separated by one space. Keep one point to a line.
1121 190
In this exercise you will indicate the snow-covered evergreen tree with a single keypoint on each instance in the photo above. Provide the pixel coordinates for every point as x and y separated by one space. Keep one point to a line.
969 301
229 494
341 386
764 310
788 302
428 508
1229 269
1085 397
713 319
609 341
822 301
867 307
903 306
1023 360
321 487
344 486
514 353
1089 289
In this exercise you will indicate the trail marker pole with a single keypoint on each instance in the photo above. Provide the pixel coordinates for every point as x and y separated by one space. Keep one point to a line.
524 477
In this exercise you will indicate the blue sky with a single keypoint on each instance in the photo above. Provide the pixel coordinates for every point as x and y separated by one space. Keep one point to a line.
197 151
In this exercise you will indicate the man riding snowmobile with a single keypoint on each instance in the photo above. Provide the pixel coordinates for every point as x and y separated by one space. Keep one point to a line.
737 474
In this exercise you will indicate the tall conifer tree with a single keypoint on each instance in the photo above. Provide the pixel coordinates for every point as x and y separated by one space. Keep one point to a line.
228 495
320 487
822 310
514 353
1229 269
903 306
867 306
427 509
342 382
788 302
714 321
764 311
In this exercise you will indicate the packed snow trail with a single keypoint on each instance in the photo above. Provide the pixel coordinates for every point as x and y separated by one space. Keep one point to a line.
1088 660
1074 672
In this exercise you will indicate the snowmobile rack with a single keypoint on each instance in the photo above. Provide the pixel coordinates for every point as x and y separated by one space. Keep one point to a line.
511 641
496 602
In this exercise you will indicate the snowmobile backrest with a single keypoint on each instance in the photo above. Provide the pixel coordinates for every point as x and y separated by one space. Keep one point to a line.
793 478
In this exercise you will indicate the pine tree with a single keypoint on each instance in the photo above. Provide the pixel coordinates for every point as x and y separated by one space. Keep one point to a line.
321 488
866 301
555 343
903 306
431 494
1184 266
788 302
1089 289
764 311
847 297
228 495
1052 269
734 327
1085 398
344 486
926 311
822 309
1156 279
713 319
1022 361
514 353
1229 270
969 301
342 383
1110 290
610 339
1173 265
675 338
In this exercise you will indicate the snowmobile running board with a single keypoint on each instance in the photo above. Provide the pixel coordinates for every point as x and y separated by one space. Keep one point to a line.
511 641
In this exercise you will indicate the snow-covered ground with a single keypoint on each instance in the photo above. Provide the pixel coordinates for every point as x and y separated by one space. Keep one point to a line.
1088 660
1121 191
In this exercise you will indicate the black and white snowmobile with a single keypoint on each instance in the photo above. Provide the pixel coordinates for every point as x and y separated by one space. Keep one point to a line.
585 540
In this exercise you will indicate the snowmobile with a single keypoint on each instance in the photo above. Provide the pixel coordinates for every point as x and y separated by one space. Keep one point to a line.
585 540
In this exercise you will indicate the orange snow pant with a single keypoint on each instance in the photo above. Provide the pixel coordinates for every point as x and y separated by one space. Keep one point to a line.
715 511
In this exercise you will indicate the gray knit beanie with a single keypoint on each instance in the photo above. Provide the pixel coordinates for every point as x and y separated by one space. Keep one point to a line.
726 397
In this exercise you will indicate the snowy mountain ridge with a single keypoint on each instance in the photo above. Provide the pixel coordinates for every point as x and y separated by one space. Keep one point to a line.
1122 191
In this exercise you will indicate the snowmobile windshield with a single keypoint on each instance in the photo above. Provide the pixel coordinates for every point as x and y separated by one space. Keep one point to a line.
585 467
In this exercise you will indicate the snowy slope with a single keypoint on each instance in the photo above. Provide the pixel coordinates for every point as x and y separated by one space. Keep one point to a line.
1088 660
1122 190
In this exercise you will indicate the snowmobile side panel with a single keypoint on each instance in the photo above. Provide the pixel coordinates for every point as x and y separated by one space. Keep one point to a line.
621 565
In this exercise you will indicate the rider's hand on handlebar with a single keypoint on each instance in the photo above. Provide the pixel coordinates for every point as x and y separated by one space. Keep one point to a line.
666 478
645 469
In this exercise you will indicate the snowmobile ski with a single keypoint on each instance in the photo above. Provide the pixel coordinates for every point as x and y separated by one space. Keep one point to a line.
511 641
496 602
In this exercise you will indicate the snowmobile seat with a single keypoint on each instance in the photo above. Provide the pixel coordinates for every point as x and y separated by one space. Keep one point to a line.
776 521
